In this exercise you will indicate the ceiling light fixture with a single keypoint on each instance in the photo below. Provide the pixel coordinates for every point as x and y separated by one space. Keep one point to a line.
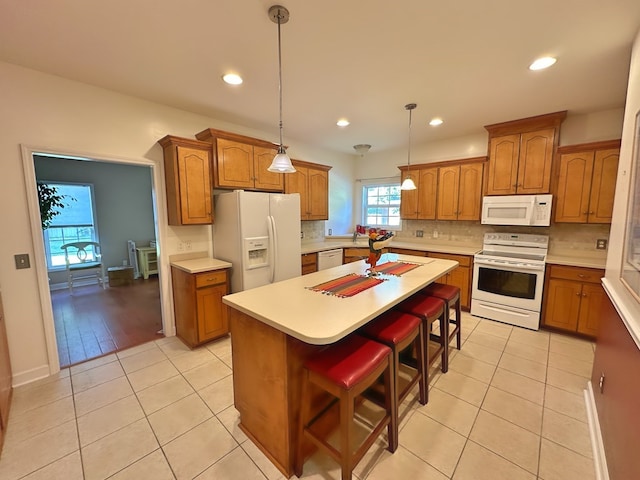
232 78
408 183
281 162
435 122
542 63
362 149
342 122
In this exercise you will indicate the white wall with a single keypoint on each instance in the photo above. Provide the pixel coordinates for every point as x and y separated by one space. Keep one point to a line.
627 305
51 113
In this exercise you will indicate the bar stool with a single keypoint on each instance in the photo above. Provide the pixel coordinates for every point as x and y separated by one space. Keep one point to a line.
430 310
399 330
346 370
451 296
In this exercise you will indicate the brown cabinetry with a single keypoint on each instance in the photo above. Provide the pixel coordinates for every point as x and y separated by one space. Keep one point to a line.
420 204
5 378
521 155
459 276
460 191
587 182
199 312
355 253
187 169
311 181
573 297
242 162
309 263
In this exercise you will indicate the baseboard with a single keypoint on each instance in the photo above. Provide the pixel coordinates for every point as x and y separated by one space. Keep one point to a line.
29 376
597 445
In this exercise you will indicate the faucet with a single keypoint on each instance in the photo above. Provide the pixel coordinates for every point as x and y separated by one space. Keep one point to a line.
355 236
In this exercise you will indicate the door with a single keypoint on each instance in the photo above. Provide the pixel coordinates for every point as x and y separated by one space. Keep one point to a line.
503 165
593 297
574 181
264 179
470 191
194 177
234 163
285 211
563 304
427 193
603 185
534 164
448 190
253 217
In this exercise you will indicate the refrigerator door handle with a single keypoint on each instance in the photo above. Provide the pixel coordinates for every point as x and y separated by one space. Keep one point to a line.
273 241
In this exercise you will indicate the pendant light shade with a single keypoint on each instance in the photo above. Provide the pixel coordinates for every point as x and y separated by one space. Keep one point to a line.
408 183
281 162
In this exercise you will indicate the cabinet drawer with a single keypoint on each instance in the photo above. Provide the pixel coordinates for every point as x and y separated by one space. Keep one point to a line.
211 278
591 275
463 260
356 252
309 259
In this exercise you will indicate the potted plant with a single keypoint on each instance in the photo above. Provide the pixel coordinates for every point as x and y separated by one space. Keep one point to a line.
50 203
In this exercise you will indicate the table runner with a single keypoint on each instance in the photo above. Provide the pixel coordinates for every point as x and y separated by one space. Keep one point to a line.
347 285
396 268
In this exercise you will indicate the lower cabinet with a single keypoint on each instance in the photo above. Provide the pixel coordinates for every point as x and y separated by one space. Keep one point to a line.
355 254
197 298
309 263
459 276
407 251
5 378
573 297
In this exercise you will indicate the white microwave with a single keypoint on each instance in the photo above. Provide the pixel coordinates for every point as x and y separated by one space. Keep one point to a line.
532 210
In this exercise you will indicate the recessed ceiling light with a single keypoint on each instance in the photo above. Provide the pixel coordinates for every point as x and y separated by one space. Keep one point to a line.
232 78
343 122
435 122
542 63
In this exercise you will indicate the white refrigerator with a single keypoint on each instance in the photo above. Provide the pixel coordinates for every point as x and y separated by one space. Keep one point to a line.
259 233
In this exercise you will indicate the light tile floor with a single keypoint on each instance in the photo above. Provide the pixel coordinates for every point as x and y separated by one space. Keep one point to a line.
510 407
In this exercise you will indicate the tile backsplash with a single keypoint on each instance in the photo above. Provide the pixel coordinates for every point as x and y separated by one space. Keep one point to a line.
313 231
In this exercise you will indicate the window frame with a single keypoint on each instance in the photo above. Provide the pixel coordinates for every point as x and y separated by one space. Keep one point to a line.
45 233
378 182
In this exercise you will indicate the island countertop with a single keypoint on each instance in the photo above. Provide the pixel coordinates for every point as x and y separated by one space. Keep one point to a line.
319 319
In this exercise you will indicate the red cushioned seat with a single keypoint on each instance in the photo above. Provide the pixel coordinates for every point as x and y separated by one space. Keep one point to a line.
392 327
451 295
442 290
421 305
348 362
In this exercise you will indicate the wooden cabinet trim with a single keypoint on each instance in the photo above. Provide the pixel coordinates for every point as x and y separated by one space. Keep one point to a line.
527 124
210 134
444 163
317 166
577 148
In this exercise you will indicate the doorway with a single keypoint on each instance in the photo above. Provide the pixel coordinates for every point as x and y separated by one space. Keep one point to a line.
110 318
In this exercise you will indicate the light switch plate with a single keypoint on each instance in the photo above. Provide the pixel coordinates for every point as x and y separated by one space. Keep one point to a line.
22 261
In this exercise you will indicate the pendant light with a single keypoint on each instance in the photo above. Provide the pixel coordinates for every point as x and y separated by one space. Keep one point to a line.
408 183
281 162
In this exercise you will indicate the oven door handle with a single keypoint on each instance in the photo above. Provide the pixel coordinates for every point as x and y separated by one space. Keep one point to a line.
521 266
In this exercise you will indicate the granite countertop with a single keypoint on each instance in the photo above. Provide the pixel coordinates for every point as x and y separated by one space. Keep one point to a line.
199 265
321 319
576 260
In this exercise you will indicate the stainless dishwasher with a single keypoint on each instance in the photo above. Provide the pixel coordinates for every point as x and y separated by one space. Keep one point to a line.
329 258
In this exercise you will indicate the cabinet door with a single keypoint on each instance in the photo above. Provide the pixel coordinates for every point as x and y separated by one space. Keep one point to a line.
212 314
264 179
448 185
235 164
470 191
603 185
574 180
503 165
563 304
426 193
194 181
297 183
593 297
534 164
318 194
409 198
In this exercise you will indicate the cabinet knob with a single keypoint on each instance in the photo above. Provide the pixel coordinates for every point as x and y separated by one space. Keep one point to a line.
601 383
581 275
578 294
591 213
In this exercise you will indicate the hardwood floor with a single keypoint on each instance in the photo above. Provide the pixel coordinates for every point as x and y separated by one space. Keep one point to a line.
94 321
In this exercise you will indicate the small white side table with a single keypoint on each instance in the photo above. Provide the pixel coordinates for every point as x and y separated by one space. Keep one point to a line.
147 261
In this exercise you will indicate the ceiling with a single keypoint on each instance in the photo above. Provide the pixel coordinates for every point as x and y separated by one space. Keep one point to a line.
465 61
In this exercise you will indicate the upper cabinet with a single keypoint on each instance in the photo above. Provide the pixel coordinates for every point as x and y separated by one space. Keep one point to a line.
587 176
420 204
444 190
242 162
187 167
311 181
460 191
521 154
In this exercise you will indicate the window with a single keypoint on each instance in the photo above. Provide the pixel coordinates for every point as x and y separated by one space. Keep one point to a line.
74 223
381 205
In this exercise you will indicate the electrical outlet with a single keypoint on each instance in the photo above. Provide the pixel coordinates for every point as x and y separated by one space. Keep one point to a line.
419 233
187 245
601 244
301 234
330 232
435 234
181 246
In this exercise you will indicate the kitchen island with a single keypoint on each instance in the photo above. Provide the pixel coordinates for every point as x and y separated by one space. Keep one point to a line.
274 328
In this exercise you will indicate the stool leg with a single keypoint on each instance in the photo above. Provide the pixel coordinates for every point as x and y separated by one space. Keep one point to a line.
444 335
422 363
346 420
459 320
391 405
